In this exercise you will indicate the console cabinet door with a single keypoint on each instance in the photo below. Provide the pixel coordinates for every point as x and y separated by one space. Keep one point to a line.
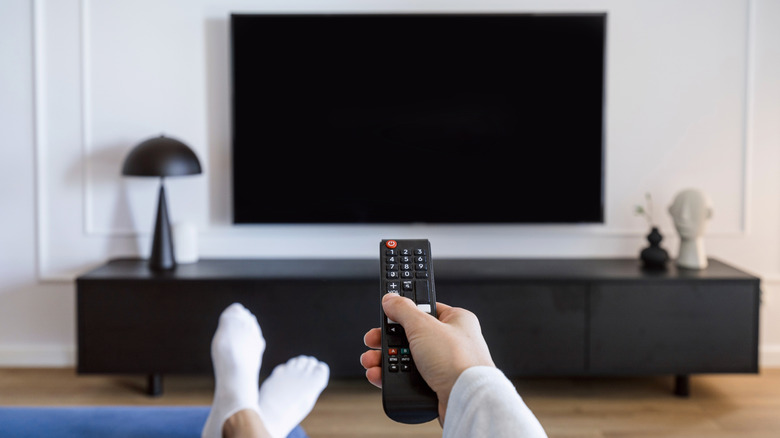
531 328
673 328
167 326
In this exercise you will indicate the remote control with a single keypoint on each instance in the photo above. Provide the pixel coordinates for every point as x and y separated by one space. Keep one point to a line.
406 269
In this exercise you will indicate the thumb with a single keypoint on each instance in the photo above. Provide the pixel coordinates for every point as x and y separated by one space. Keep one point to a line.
403 310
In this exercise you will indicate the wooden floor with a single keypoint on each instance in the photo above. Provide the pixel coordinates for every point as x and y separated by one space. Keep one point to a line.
720 405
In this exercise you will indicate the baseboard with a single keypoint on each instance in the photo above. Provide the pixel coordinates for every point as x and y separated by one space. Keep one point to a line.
769 356
44 356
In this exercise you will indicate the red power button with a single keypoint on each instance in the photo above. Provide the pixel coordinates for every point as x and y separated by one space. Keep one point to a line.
391 244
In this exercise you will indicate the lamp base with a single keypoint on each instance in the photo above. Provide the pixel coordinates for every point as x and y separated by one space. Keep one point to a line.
162 258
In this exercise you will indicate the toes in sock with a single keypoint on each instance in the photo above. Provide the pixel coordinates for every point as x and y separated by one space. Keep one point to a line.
236 353
289 393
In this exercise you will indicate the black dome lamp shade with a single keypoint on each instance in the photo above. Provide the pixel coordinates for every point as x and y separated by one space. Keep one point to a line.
161 156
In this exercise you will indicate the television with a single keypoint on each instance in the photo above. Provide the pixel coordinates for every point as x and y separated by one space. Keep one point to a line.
394 118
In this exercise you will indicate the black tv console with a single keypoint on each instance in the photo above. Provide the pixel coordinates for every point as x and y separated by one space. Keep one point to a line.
552 317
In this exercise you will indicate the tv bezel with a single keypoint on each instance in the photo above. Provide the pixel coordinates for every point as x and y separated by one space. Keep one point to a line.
602 195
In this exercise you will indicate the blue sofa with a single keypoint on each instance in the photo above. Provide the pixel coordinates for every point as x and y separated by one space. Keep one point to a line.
107 422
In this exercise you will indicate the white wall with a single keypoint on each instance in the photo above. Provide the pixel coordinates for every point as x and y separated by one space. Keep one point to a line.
693 99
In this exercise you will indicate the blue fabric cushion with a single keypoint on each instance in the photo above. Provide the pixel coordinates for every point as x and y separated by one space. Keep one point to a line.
108 422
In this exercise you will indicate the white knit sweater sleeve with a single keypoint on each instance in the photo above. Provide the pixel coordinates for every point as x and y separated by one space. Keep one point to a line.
484 403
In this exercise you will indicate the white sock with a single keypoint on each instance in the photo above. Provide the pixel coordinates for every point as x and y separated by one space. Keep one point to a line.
289 393
236 352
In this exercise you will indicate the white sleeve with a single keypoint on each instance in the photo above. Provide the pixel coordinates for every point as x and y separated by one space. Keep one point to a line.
484 403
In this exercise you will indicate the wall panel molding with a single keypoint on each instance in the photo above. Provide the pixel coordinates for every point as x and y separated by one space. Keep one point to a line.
39 123
747 119
92 236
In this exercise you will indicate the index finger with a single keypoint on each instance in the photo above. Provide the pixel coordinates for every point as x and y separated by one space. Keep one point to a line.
373 338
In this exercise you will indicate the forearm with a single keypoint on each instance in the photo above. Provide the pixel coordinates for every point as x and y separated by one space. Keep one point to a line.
484 403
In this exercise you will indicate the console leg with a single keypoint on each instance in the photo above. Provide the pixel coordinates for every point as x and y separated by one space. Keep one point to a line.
682 385
154 385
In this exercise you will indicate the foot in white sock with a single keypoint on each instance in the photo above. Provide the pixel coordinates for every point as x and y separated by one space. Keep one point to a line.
289 393
236 353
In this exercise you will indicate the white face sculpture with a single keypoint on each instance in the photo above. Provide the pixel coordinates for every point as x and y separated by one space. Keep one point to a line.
690 211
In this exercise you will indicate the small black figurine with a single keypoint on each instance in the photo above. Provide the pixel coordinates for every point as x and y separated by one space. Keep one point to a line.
654 257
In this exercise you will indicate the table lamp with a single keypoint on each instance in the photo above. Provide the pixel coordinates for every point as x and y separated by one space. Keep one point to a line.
161 156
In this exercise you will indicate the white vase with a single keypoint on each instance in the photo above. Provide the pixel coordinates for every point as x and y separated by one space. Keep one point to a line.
185 242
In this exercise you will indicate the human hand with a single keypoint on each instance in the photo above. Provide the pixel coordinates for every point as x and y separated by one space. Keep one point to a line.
442 348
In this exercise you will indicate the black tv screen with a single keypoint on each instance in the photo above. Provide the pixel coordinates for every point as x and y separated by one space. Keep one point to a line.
418 118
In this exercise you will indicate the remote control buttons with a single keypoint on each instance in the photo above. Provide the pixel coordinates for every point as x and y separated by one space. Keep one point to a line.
395 330
423 294
407 289
391 244
399 359
395 335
